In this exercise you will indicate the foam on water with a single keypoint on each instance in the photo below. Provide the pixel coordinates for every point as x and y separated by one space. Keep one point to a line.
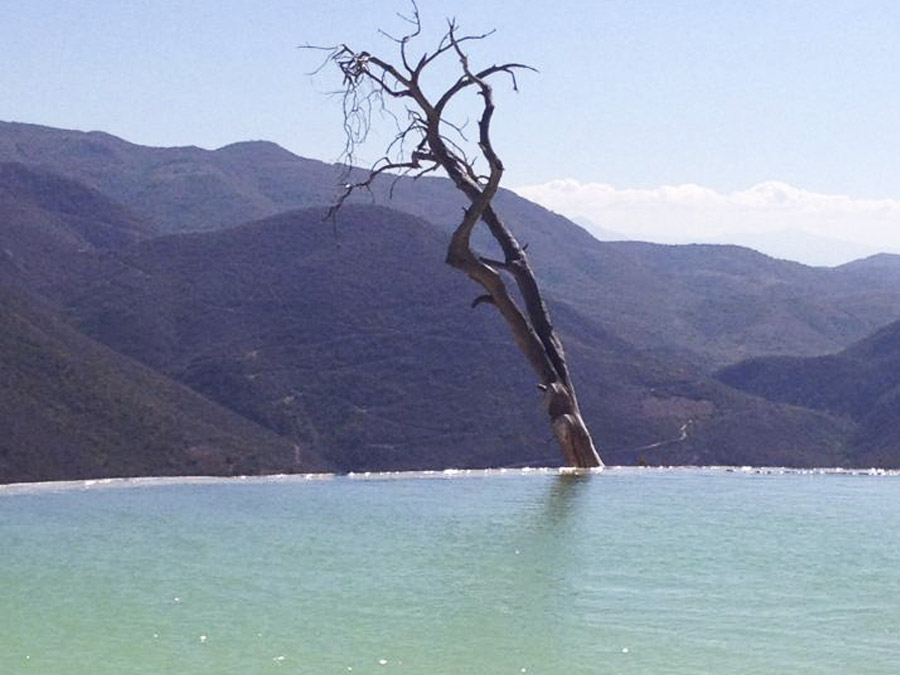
151 481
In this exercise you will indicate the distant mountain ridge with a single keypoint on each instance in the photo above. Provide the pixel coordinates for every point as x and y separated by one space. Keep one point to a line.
676 299
176 189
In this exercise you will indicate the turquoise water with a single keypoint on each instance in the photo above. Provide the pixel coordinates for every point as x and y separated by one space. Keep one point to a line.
626 571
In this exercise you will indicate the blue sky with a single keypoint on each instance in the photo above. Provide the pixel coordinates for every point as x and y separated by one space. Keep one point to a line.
630 95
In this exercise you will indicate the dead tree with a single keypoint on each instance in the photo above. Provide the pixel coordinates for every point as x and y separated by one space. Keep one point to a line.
427 141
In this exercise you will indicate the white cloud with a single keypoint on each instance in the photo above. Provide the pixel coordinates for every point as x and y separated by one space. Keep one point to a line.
693 213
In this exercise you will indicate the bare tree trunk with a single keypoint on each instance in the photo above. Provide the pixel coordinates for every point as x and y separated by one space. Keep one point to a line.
534 334
542 349
370 82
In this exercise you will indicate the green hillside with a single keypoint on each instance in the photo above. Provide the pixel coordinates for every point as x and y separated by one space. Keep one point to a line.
860 384
72 408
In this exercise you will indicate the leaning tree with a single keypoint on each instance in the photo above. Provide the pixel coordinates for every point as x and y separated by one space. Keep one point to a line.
427 140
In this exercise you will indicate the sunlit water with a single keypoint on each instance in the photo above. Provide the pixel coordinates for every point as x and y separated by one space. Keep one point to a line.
627 571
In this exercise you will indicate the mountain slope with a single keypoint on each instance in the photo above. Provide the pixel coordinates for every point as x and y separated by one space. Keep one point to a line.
711 305
861 383
357 341
52 228
71 408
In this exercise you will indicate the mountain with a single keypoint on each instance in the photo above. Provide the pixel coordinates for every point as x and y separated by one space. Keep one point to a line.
726 303
814 250
52 227
860 384
601 233
712 305
353 340
72 408
882 270
788 244
176 189
86 215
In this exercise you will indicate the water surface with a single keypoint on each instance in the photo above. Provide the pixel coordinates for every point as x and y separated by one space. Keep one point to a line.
626 571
